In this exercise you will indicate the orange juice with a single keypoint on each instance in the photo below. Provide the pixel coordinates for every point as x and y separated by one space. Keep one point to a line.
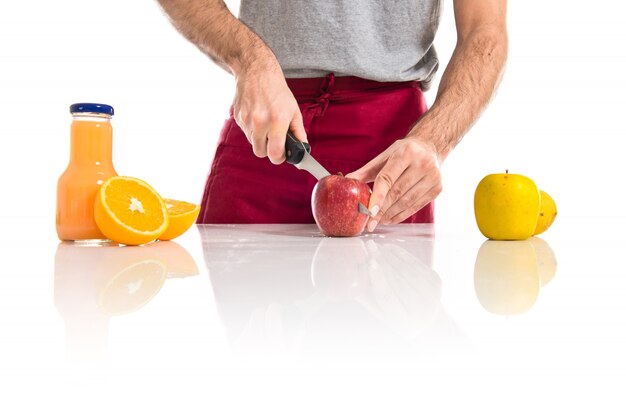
90 165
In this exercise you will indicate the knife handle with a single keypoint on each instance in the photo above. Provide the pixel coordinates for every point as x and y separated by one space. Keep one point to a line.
294 149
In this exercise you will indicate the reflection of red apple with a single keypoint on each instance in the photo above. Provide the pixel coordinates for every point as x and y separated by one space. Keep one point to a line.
339 267
335 203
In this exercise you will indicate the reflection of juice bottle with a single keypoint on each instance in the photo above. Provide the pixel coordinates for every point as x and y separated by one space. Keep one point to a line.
93 283
90 165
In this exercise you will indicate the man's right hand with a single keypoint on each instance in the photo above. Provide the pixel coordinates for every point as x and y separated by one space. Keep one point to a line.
265 109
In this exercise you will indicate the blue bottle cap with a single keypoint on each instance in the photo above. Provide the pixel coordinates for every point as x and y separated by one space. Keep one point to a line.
91 107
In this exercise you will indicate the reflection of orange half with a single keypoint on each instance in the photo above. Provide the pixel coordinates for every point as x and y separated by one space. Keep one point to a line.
179 262
132 287
506 276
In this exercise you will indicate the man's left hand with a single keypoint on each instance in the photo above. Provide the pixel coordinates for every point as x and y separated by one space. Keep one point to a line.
406 178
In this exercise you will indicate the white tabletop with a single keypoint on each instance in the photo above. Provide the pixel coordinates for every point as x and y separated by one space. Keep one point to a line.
240 308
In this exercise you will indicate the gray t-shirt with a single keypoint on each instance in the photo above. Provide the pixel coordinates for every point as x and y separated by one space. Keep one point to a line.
386 40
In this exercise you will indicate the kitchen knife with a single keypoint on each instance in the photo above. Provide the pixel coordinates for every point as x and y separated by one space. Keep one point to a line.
298 154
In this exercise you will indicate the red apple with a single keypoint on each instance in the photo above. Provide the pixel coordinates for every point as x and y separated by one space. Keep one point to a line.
335 204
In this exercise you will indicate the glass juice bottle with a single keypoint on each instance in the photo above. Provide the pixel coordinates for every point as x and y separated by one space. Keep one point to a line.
91 137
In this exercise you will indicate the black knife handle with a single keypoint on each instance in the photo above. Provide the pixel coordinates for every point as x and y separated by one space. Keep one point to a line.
294 149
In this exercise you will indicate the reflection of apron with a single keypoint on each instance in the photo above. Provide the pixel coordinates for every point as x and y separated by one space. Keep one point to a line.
348 121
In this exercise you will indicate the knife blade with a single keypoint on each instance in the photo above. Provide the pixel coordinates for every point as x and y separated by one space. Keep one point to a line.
363 210
298 154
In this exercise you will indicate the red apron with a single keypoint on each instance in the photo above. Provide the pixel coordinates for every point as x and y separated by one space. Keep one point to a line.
348 121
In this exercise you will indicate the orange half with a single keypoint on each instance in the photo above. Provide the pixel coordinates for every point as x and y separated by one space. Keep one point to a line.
129 211
182 215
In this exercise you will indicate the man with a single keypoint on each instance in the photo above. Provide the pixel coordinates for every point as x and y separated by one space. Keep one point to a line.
346 76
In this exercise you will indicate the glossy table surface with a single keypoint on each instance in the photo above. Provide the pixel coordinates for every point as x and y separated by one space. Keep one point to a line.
279 308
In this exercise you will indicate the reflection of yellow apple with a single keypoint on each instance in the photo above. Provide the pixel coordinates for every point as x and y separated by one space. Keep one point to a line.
547 213
546 260
506 276
506 206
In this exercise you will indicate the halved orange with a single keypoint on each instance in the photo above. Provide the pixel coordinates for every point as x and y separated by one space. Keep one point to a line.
182 215
129 211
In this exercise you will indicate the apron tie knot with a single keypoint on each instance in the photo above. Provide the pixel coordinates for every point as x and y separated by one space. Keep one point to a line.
326 92
320 104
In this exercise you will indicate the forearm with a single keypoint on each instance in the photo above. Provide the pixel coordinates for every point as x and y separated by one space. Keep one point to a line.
211 26
466 87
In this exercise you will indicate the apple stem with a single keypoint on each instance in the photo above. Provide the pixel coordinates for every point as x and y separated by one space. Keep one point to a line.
340 174
507 171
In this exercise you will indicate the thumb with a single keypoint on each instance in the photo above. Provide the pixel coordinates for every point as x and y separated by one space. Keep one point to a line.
297 127
368 172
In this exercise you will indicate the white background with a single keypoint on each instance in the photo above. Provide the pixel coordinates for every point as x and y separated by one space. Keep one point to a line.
557 117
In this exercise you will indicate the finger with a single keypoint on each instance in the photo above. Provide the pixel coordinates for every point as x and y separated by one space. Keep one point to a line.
240 121
248 136
259 144
414 199
411 201
403 183
297 127
276 143
368 172
419 204
413 190
407 180
384 181
373 221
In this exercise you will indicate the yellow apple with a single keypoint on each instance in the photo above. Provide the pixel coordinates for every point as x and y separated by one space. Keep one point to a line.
506 206
547 213
506 276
